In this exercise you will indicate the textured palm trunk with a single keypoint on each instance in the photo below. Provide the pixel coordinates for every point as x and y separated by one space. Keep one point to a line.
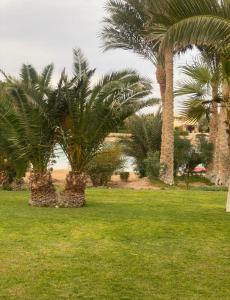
42 189
161 80
17 185
2 177
74 194
223 139
223 148
228 200
212 169
227 91
167 143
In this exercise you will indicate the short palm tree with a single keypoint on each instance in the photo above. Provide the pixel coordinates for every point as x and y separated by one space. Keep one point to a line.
203 86
88 113
29 129
145 138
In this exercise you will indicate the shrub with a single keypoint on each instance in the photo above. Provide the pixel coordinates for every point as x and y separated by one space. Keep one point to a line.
152 165
104 164
145 137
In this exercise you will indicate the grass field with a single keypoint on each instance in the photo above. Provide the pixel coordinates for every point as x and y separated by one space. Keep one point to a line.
125 244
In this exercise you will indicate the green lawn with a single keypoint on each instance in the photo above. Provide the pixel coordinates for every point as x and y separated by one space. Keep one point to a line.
124 245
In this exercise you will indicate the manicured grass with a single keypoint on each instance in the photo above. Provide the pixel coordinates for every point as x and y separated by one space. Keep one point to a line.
125 244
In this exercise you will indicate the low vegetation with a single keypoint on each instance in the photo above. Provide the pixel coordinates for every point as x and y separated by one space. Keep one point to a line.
124 245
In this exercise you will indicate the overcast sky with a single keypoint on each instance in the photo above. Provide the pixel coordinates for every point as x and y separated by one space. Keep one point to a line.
44 31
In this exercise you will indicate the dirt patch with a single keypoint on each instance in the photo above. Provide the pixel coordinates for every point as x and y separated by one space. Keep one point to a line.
134 182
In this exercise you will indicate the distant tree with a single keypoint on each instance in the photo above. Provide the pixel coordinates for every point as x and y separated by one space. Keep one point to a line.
188 156
145 138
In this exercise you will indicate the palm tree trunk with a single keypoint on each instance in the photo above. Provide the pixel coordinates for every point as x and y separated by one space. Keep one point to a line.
17 184
167 143
212 169
161 80
227 99
223 165
74 194
223 137
228 200
2 177
42 189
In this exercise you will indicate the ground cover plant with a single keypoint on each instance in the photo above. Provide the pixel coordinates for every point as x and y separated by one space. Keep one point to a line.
123 245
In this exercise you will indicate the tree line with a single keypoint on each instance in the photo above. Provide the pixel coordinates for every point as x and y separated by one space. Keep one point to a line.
76 115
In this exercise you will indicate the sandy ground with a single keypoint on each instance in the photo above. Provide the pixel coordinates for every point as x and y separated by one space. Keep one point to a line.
134 181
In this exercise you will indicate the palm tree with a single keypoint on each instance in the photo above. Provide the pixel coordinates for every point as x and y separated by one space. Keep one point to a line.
145 138
26 117
12 168
226 112
176 25
125 29
202 85
88 113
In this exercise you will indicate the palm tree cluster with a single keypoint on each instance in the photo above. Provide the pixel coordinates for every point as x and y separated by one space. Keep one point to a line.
203 85
158 30
77 115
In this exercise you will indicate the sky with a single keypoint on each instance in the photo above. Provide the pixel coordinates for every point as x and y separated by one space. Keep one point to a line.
45 31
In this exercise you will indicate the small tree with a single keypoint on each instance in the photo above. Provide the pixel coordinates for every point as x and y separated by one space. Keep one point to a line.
188 156
152 165
145 138
104 164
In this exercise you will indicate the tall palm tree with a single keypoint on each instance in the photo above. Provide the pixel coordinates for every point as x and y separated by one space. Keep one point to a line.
177 24
166 23
29 129
88 113
124 28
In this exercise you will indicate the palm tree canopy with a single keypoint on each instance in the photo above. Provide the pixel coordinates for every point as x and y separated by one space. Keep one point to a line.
89 112
176 24
202 84
145 137
124 28
25 115
198 86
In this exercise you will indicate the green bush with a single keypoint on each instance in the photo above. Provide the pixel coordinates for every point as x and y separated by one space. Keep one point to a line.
104 164
145 137
124 176
152 165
